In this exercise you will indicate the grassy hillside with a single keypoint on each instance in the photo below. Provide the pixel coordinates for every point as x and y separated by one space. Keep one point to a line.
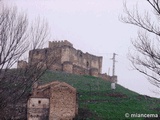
98 102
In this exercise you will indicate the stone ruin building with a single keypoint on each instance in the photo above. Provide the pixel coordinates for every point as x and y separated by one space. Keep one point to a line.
52 101
62 56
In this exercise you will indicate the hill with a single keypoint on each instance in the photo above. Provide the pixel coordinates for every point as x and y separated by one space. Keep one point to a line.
98 102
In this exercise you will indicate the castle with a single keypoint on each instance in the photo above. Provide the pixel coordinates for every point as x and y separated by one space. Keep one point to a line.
62 56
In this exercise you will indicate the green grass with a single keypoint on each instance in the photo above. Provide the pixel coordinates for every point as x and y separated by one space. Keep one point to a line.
99 102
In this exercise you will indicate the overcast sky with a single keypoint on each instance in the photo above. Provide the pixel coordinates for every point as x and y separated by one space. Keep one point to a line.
93 26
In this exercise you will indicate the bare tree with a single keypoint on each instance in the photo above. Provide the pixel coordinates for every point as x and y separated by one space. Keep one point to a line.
17 37
146 55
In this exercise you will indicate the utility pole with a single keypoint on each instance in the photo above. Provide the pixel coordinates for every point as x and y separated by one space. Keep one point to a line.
113 77
114 61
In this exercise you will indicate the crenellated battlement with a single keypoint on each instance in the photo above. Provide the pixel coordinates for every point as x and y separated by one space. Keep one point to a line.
54 44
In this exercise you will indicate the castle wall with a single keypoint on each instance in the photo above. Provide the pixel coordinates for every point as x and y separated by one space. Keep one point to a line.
80 71
94 72
68 67
105 76
22 64
54 44
56 67
65 55
83 60
47 57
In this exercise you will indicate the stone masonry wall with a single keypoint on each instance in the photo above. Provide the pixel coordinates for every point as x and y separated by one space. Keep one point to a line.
63 100
83 60
54 44
57 100
22 64
68 67
80 71
47 56
94 72
38 108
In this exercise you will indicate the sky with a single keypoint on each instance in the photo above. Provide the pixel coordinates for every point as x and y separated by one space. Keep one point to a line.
93 26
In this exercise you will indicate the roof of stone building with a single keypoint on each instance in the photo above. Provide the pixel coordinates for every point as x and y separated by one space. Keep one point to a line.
55 84
43 91
47 85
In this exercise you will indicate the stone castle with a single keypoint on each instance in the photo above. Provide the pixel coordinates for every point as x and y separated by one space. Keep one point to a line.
62 56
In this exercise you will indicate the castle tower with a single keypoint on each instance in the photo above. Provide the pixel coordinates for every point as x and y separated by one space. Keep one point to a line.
68 67
94 72
22 64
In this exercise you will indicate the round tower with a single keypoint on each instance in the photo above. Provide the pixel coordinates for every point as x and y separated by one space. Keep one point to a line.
94 72
22 64
68 67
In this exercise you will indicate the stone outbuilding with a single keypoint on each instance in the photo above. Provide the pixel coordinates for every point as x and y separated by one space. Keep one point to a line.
52 101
